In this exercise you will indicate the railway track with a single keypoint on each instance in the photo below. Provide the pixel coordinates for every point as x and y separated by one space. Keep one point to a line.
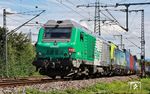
26 81
32 81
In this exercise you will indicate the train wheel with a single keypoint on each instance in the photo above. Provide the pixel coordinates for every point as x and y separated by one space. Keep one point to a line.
42 71
53 77
62 77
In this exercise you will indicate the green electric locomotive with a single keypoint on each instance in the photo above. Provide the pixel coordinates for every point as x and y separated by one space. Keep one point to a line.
65 48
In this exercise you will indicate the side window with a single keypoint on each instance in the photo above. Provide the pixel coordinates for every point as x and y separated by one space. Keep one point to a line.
81 36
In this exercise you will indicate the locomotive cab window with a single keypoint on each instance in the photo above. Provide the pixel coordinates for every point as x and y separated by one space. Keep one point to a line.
81 36
57 33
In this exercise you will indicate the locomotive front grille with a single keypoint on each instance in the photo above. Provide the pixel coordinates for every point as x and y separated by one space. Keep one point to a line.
55 51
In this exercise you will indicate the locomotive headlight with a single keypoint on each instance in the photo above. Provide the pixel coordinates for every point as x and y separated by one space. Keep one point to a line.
39 53
70 53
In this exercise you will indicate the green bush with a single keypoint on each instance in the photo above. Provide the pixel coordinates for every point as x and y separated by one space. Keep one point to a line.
20 55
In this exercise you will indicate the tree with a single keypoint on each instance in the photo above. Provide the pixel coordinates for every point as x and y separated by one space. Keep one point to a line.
20 54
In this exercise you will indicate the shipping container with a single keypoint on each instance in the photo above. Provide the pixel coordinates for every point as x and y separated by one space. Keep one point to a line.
120 58
131 62
117 57
135 63
127 59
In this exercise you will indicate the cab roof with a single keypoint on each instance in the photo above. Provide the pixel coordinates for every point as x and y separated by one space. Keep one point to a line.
61 23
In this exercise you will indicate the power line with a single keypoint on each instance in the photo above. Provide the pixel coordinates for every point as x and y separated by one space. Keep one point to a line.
122 1
14 20
123 10
130 41
21 16
110 19
70 8
75 5
118 22
29 12
133 18
142 33
127 5
14 30
97 15
115 20
133 43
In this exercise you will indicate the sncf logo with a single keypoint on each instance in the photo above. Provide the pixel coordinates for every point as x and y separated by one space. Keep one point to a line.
135 85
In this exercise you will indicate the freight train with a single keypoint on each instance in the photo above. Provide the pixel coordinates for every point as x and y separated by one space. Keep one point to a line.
67 49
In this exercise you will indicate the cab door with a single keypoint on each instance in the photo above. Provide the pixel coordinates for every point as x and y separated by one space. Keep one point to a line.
83 41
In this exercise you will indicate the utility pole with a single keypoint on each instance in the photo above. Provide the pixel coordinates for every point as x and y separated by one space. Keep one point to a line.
98 12
97 26
142 34
97 6
7 33
143 74
4 18
6 54
142 44
127 10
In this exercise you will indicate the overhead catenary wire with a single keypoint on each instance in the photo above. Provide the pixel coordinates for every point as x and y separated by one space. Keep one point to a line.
21 16
119 25
123 10
133 18
29 12
80 0
47 5
29 24
121 1
130 41
132 22
14 20
115 19
73 4
108 17
137 37
14 30
76 5
71 9
133 43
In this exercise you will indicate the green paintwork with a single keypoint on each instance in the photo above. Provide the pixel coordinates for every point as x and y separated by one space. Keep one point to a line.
84 49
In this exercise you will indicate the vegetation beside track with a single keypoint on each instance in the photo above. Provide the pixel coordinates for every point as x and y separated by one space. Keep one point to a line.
20 55
116 87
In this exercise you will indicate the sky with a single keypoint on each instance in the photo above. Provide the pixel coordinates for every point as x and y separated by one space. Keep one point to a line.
66 9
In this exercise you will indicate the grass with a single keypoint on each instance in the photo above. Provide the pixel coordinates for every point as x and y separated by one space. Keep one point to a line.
116 87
